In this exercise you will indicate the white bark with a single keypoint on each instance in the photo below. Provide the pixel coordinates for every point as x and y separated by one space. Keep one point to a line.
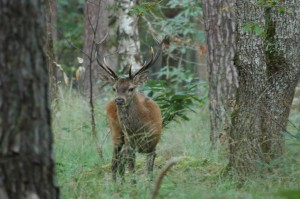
129 44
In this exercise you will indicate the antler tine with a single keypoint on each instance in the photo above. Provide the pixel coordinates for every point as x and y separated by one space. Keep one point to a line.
104 62
153 59
146 63
130 72
104 65
107 69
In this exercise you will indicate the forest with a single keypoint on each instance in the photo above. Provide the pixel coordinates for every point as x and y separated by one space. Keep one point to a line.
149 99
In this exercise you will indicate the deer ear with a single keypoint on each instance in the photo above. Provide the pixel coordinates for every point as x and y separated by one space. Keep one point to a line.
141 78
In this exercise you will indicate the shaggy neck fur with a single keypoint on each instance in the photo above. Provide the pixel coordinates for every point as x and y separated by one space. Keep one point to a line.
129 116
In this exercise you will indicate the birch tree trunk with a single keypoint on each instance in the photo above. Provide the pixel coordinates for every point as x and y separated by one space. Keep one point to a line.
268 69
95 29
128 36
26 153
219 18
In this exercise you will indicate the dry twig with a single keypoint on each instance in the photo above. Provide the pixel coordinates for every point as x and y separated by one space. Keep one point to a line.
163 172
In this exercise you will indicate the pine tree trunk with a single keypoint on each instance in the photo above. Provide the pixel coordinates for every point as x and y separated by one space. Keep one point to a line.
268 69
219 17
128 36
26 153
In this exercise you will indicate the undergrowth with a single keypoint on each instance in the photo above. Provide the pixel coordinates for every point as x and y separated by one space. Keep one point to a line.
81 173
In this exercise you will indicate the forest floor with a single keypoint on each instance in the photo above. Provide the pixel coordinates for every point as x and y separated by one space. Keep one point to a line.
81 174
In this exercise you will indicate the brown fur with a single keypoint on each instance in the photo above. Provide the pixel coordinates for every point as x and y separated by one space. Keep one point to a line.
137 126
134 119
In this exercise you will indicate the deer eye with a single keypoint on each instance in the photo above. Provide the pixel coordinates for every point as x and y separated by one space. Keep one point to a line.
131 89
114 89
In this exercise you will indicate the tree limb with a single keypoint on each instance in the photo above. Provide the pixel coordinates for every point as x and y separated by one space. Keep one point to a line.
164 171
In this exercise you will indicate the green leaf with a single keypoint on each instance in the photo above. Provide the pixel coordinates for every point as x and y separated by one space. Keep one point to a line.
281 9
258 30
246 27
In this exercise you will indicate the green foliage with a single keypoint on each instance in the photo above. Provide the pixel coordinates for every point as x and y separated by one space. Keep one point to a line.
190 8
277 4
257 28
144 7
177 94
70 29
177 19
254 27
290 194
183 24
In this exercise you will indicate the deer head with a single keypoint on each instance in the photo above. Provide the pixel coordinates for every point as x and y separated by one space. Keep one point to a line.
126 88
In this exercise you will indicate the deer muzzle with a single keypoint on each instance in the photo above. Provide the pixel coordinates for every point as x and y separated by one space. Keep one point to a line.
120 101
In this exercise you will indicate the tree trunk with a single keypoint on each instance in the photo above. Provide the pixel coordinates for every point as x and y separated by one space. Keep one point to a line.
222 75
95 29
26 153
268 70
128 36
51 14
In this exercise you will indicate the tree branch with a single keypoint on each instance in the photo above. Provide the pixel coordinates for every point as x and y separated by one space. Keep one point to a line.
163 172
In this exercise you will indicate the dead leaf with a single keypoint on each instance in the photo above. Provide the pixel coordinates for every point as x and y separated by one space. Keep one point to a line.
66 79
80 60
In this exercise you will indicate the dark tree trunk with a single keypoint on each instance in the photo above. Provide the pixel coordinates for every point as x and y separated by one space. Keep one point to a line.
26 153
268 69
95 29
53 14
219 17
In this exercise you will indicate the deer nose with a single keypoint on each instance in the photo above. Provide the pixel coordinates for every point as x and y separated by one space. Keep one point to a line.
120 101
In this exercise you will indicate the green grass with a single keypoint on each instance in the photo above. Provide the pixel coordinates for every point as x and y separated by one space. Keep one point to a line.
81 173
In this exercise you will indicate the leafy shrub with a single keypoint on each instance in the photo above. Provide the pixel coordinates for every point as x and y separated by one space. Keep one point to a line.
177 94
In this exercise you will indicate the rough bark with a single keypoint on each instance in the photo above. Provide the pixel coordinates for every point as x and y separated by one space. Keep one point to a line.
26 153
219 17
128 36
52 18
268 70
95 29
51 14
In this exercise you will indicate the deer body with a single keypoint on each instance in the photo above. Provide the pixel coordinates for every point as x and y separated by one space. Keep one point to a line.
135 120
140 123
136 126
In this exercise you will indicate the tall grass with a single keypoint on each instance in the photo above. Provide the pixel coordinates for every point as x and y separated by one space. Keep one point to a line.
81 173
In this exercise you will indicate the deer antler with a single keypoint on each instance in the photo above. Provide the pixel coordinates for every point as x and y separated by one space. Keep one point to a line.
149 63
107 69
103 63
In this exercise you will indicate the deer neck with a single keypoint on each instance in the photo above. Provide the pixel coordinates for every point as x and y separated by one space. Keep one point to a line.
128 115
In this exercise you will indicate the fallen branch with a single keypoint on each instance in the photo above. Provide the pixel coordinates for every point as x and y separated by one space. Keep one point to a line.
163 172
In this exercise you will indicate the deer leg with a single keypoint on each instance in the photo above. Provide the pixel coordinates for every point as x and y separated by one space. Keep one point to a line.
150 163
122 163
130 152
131 162
116 160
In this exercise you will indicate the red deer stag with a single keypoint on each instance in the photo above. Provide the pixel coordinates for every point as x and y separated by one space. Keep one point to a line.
134 119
